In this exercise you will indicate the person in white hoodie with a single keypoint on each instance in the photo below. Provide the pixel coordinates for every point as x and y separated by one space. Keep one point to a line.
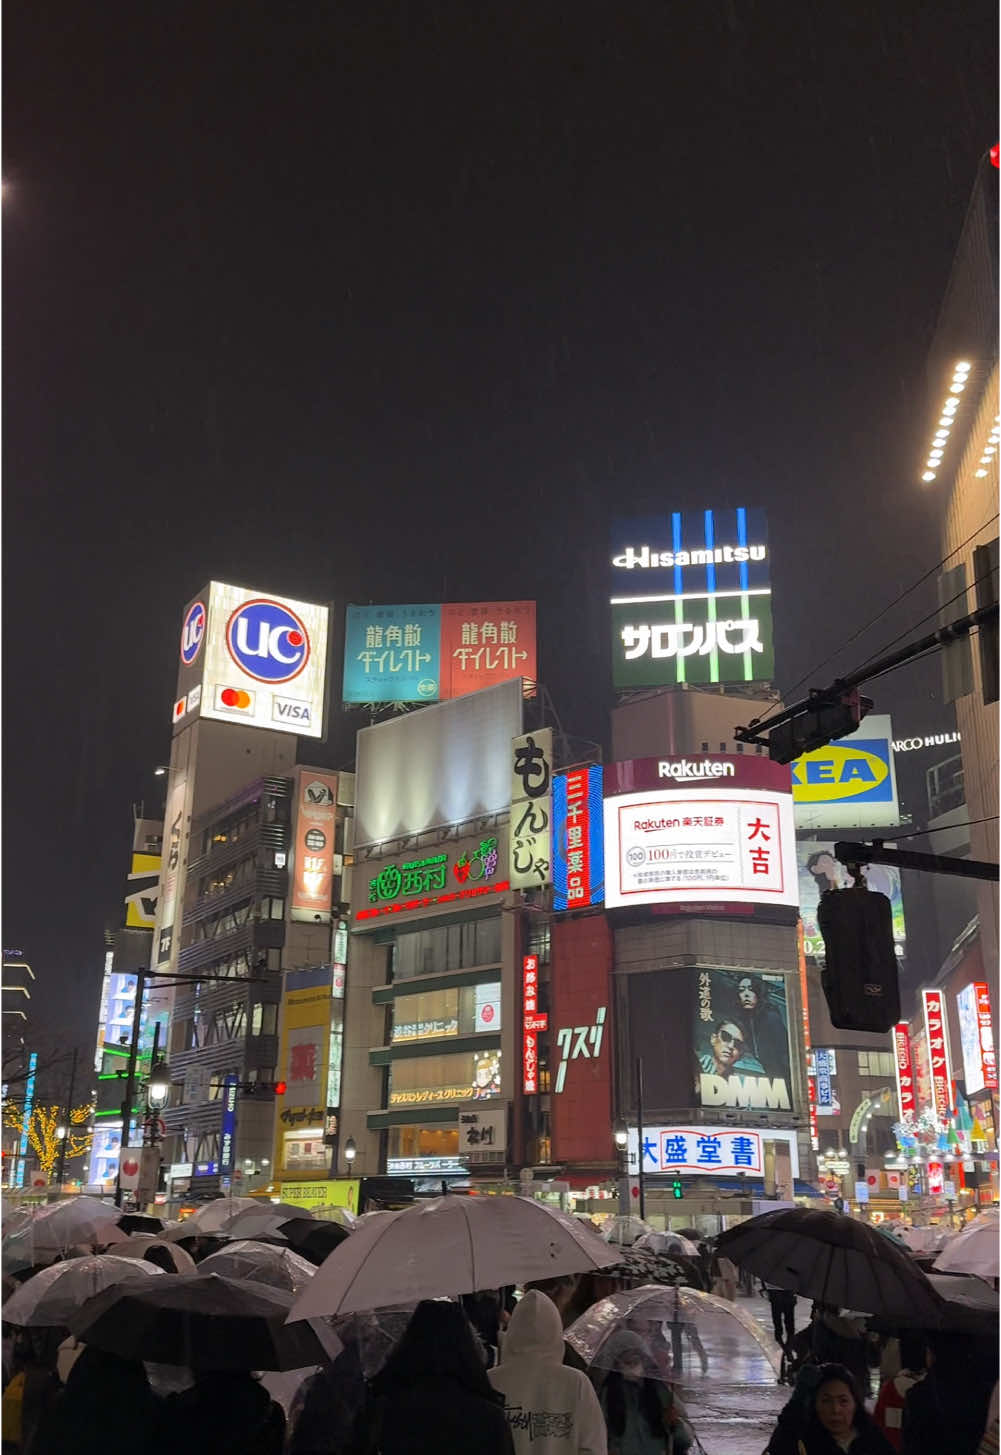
551 1409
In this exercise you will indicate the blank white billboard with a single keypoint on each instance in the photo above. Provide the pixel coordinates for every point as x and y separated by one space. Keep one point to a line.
437 766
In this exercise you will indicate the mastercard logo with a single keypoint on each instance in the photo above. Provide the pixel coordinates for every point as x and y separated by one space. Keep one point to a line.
235 699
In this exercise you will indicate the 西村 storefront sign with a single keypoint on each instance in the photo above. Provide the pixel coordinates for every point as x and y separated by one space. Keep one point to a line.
448 875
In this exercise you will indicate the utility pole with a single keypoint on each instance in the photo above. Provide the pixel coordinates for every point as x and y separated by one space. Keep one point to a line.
639 1133
130 1079
68 1123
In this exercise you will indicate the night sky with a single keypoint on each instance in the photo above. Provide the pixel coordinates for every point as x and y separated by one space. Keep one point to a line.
401 302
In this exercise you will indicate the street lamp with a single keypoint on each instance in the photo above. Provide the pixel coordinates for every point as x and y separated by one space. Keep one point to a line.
350 1152
621 1135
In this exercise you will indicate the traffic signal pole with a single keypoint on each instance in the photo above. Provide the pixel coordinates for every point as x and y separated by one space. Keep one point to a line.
877 853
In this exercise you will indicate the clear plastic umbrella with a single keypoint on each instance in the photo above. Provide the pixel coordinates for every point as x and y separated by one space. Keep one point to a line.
249 1221
53 1295
666 1243
59 1229
974 1250
691 1337
625 1230
262 1263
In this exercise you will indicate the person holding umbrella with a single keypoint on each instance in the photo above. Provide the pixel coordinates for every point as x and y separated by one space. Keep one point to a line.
836 1421
641 1413
105 1408
224 1410
551 1408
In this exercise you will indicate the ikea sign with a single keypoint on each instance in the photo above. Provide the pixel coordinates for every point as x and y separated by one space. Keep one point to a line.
850 783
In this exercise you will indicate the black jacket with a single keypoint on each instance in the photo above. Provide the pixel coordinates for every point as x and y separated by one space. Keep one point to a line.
435 1416
816 1441
944 1415
224 1414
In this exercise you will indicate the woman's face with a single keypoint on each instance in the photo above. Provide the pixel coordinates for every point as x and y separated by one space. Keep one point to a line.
835 1407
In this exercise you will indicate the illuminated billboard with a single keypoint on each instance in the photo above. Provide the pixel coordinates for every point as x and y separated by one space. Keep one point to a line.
976 1034
740 1040
252 658
452 873
691 599
312 877
819 870
578 839
433 653
712 1040
713 828
850 784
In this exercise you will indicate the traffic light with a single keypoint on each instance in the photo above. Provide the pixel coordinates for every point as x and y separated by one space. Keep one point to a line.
256 1088
860 975
676 1187
816 727
280 1088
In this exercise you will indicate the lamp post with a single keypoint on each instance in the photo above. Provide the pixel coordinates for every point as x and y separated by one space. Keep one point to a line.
350 1153
63 1131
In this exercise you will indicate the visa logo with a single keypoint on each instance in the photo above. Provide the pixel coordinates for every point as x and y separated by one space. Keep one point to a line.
844 772
291 709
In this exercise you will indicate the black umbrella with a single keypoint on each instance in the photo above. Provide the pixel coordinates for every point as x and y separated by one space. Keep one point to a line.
313 1238
832 1259
140 1223
969 1306
205 1323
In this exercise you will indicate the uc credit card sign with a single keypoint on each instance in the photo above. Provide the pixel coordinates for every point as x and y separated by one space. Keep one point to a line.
848 784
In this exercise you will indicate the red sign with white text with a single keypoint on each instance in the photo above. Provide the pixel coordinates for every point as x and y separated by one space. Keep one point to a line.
936 1179
484 643
580 1056
530 1031
988 1056
938 1052
905 1070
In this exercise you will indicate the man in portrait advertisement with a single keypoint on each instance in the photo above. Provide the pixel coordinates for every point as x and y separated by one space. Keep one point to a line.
728 1050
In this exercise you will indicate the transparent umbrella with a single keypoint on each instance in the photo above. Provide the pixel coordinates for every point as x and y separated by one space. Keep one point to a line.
974 1250
59 1229
667 1243
261 1263
213 1217
51 1297
625 1230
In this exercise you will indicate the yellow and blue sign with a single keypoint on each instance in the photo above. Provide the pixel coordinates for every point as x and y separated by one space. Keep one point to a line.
850 783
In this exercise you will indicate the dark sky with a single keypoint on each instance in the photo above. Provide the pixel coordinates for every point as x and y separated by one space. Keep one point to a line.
375 301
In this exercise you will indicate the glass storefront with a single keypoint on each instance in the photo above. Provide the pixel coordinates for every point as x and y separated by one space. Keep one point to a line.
455 1076
458 1011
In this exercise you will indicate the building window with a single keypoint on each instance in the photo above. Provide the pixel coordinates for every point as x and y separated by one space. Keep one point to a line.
876 1063
458 1011
540 943
447 947
303 1150
460 1076
411 1143
264 1020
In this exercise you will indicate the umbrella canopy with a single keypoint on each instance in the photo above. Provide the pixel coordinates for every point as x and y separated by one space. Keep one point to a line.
672 1325
625 1230
450 1245
213 1216
55 1294
667 1243
261 1263
832 1259
313 1239
974 1250
968 1306
248 1221
205 1323
61 1228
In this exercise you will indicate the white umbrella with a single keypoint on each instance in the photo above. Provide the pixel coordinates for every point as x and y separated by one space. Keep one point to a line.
60 1228
449 1245
625 1230
974 1250
54 1294
213 1217
666 1243
251 1222
261 1263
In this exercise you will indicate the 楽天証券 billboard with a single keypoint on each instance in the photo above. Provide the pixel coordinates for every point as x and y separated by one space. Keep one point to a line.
433 653
712 828
691 599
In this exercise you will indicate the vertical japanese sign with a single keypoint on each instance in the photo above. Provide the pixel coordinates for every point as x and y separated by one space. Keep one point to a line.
987 1053
313 864
825 1091
938 1052
532 810
173 834
533 1023
804 1002
29 1102
392 654
906 1099
486 642
578 839
227 1129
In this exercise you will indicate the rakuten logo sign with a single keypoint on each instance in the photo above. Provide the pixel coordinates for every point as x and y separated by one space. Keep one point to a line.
682 768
